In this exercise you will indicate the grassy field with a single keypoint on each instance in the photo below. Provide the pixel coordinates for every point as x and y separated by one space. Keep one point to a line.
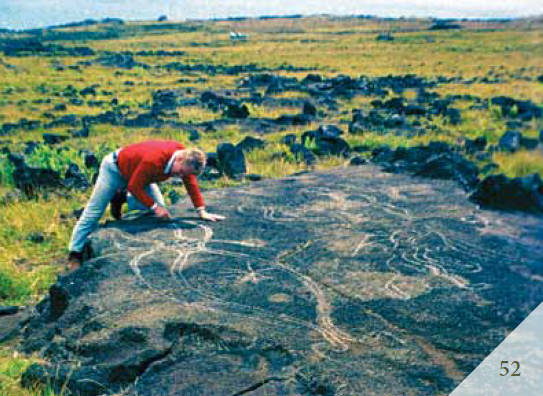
31 87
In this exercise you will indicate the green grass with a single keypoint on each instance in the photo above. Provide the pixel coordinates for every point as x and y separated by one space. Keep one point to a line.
12 366
521 163
27 268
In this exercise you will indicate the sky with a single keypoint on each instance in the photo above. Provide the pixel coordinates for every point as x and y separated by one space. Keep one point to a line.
22 14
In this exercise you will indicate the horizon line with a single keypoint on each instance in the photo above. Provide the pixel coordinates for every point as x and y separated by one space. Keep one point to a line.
273 16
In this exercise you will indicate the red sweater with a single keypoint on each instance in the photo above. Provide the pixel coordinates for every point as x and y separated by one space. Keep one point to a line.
143 163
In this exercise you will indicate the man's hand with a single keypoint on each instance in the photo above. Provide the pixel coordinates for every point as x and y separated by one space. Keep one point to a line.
162 212
210 216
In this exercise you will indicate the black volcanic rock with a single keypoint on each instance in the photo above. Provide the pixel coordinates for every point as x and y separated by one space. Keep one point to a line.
523 109
296 119
53 138
250 143
236 110
474 145
30 179
309 109
302 266
510 141
518 193
231 160
119 60
74 178
436 160
301 153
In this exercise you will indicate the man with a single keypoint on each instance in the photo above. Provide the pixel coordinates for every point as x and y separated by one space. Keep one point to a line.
137 168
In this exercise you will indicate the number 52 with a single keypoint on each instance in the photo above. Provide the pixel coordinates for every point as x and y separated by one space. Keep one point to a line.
504 370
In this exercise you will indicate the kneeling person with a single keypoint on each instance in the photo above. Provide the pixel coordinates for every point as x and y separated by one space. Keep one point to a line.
137 168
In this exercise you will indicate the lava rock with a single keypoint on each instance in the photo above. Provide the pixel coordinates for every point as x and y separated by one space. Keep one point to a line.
30 147
510 141
289 139
454 117
194 135
81 133
253 177
474 145
119 60
293 119
91 90
437 160
528 143
91 161
414 109
8 310
250 143
300 152
236 110
523 109
518 193
231 160
58 301
384 37
358 160
52 138
166 99
36 237
74 178
30 179
212 160
309 109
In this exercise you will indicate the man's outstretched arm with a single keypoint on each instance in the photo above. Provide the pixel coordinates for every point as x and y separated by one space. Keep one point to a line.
191 184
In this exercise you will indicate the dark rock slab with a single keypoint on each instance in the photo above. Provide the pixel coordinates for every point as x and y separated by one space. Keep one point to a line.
514 108
236 110
351 281
529 143
231 160
250 143
12 321
517 193
75 178
302 153
53 138
437 160
29 179
475 145
510 141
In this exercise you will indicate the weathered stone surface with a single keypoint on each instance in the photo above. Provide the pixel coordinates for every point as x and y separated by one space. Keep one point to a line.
510 141
351 281
437 160
53 138
250 143
523 109
231 160
30 179
74 178
517 193
474 145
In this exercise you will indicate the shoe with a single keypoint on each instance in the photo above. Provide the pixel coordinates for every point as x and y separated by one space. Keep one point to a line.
74 261
116 204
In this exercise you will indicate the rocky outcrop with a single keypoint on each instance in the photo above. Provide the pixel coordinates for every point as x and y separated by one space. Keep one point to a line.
517 193
314 285
437 160
231 160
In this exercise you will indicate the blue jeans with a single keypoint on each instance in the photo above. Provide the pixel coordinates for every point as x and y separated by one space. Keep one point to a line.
108 182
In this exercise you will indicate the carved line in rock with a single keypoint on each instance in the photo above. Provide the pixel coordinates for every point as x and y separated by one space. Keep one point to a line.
185 246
